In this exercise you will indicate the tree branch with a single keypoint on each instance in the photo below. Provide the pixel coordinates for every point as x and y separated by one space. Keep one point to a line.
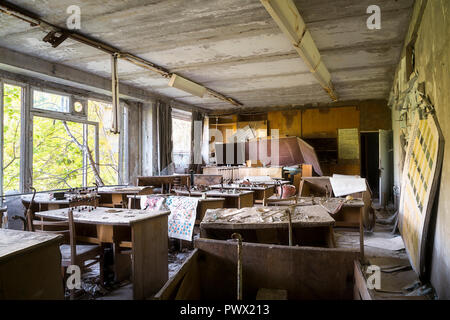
85 148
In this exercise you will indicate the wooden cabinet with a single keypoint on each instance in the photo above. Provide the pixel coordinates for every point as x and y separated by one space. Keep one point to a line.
30 266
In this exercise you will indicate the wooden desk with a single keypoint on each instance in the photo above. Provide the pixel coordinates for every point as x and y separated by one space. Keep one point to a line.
261 193
203 205
116 197
232 200
42 202
350 214
311 226
166 183
319 186
147 240
30 266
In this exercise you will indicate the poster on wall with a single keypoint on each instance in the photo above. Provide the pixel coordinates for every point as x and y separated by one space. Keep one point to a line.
419 183
348 144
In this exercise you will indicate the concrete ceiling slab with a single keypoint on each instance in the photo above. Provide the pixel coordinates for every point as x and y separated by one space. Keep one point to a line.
231 46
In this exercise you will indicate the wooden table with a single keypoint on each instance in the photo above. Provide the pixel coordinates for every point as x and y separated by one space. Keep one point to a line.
311 226
203 205
116 197
43 202
30 266
145 232
319 186
238 200
261 192
350 214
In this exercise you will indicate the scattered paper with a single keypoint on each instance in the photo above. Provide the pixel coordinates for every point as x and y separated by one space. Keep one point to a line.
343 186
393 244
258 178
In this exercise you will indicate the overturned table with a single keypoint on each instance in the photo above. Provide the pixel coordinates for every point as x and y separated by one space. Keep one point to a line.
144 232
311 225
352 210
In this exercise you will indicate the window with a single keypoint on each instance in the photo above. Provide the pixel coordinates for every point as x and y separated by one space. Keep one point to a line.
50 101
108 142
181 137
58 160
71 144
12 98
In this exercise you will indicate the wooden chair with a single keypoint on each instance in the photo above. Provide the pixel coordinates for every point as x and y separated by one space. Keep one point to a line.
71 252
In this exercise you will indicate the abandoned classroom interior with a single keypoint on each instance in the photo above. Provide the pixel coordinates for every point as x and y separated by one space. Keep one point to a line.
225 150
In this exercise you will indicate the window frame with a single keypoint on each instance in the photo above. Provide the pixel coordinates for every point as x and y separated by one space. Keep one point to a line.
85 123
28 112
182 115
38 89
4 82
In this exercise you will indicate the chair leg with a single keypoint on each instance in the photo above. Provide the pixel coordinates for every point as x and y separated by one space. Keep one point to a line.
101 263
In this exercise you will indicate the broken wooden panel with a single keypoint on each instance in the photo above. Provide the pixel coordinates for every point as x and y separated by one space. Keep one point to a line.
291 151
419 184
294 269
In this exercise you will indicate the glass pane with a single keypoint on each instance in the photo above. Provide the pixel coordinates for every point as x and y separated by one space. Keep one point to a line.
11 130
57 157
108 142
50 101
181 137
91 144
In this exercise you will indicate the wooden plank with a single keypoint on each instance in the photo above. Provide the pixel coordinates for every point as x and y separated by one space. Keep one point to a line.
170 288
104 216
361 291
294 269
271 294
158 181
150 256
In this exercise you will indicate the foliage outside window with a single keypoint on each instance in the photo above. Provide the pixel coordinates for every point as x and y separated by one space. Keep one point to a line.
66 154
11 135
50 101
57 159
108 142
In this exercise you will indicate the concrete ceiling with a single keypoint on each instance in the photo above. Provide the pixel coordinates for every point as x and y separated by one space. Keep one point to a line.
231 46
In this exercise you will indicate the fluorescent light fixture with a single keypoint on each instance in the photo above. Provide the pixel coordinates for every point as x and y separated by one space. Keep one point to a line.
288 19
186 85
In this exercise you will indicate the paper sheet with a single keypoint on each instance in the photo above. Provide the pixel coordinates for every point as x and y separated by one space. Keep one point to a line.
344 186
394 244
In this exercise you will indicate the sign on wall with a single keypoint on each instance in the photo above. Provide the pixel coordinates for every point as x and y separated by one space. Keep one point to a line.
348 144
419 183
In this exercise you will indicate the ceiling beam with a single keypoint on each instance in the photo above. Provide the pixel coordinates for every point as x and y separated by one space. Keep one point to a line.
289 20
36 68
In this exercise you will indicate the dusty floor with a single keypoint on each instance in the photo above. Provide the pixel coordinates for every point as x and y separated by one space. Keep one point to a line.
397 277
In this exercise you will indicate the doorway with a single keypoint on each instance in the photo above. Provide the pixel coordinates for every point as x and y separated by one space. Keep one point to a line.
370 160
